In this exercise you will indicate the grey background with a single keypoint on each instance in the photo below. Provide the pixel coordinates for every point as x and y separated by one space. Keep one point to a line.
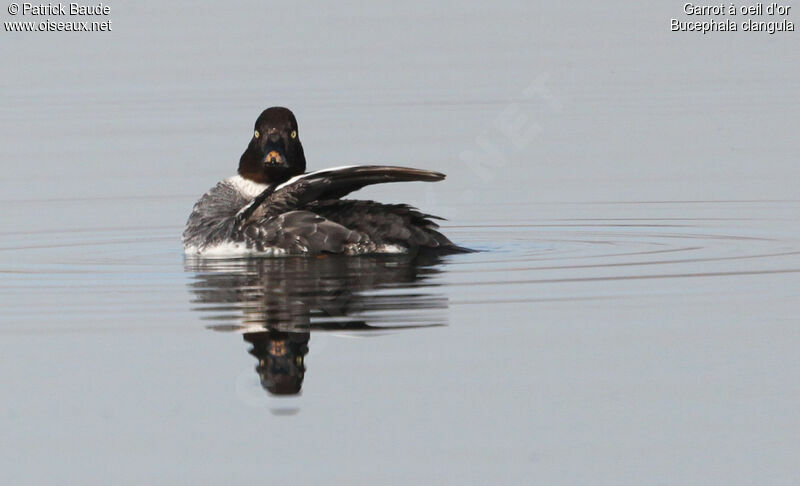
173 90
106 139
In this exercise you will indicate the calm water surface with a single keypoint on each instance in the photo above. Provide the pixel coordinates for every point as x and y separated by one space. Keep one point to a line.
638 333
631 316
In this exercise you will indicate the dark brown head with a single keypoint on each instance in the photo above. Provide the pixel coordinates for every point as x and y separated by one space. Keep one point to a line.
275 153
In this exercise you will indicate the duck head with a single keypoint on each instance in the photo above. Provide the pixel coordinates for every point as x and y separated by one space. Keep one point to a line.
274 153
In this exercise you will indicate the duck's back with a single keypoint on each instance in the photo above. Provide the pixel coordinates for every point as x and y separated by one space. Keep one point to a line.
306 216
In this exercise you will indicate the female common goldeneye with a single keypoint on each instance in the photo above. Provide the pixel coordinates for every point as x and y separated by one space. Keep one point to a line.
272 207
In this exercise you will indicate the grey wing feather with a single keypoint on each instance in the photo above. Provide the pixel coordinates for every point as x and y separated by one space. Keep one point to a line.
311 233
211 220
385 223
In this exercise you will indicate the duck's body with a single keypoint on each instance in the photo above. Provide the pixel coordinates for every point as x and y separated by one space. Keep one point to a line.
273 208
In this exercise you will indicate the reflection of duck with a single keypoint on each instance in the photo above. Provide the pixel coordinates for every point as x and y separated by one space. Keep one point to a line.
277 303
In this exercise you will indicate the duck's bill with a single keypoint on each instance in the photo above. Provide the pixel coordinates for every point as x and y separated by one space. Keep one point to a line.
274 157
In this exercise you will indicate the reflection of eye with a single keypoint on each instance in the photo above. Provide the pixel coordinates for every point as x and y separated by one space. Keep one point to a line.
293 134
256 134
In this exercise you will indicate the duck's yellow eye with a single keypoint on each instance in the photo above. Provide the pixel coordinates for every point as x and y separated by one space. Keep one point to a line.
256 134
293 134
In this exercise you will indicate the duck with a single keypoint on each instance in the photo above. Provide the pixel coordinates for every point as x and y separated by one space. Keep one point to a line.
273 207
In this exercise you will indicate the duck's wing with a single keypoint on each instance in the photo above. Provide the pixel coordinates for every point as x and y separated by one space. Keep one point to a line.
341 181
328 184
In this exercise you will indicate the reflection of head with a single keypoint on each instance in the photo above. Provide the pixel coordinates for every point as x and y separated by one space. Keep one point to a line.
280 357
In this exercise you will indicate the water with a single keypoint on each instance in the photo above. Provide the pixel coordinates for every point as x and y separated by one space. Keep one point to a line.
630 318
